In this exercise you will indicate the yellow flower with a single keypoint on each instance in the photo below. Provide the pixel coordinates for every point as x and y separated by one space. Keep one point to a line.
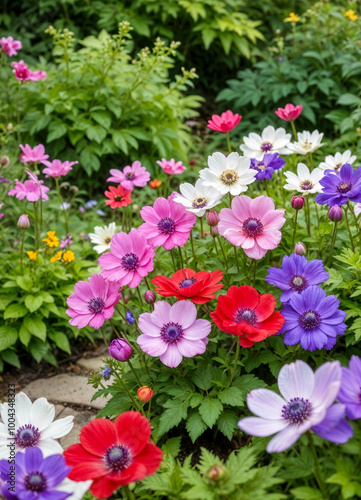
69 256
32 255
351 14
57 256
51 240
293 18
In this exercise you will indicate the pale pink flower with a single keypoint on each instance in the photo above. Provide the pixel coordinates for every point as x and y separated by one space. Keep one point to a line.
290 112
10 46
24 74
252 224
33 155
30 189
129 260
57 168
171 167
132 176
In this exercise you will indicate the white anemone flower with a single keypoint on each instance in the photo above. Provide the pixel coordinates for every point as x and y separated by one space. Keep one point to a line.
102 237
33 426
199 198
357 209
228 174
305 181
307 142
335 162
270 141
77 488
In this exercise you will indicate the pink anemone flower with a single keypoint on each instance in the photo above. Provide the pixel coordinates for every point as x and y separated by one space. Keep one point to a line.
132 176
24 74
30 189
129 260
93 301
172 332
10 46
252 224
224 123
57 168
167 224
33 155
289 112
171 167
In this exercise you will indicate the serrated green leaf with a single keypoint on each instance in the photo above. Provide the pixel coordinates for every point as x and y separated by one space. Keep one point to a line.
195 426
232 396
210 410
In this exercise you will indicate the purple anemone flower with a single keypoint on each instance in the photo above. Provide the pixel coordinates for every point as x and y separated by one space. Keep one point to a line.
306 397
312 319
334 427
340 187
296 274
350 392
266 166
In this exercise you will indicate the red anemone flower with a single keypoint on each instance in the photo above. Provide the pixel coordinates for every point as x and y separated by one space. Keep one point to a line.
187 284
248 314
118 197
113 454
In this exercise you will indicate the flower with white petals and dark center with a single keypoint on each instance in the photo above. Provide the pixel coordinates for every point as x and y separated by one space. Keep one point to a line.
229 177
117 458
335 162
297 410
130 261
27 436
199 202
252 227
304 181
307 142
306 185
166 225
266 146
35 481
271 140
199 198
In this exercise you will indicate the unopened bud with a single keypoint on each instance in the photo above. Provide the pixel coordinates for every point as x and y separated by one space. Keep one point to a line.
23 222
300 249
5 161
212 218
144 393
297 202
120 349
150 297
10 127
335 213
214 232
217 473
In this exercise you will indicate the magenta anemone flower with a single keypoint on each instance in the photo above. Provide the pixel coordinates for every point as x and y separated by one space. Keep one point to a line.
24 74
305 398
225 122
171 167
10 46
132 176
350 392
57 168
30 189
167 224
32 155
290 112
172 332
129 260
252 224
93 301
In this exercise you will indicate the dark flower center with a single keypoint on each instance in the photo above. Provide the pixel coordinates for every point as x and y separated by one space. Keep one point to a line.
107 240
187 282
118 458
130 176
199 202
338 166
96 305
229 177
27 436
246 315
298 283
171 332
297 410
306 145
309 320
35 481
117 197
130 261
266 146
344 187
252 227
306 185
166 225
260 167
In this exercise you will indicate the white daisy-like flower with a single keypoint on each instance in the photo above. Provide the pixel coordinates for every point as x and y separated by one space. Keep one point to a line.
77 488
228 174
357 209
270 141
32 426
102 237
335 162
305 181
307 142
199 198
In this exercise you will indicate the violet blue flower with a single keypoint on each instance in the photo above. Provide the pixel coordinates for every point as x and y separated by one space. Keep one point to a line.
340 187
129 317
334 427
312 319
266 167
296 274
91 203
306 397
106 372
350 392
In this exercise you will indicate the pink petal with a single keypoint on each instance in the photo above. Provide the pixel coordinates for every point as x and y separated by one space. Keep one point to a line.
184 312
261 426
296 380
172 357
265 403
154 346
190 348
198 330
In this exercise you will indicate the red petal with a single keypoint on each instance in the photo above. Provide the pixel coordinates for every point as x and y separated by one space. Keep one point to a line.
133 431
85 466
103 487
135 472
98 436
266 307
246 296
151 456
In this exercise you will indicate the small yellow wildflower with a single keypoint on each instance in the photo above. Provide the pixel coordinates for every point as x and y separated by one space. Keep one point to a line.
32 255
51 240
69 256
57 256
292 18
351 14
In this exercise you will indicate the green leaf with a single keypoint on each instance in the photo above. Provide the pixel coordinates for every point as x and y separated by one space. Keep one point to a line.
38 349
349 100
172 416
61 340
227 423
96 133
25 282
11 357
8 337
36 327
103 118
306 493
203 377
210 410
15 311
119 141
89 160
195 426
33 302
24 335
172 446
232 396
56 130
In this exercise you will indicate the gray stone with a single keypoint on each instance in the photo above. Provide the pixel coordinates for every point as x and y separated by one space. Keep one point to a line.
91 364
81 418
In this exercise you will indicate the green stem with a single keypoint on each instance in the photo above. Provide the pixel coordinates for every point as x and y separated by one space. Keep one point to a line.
128 493
147 283
235 256
318 474
174 266
229 143
36 228
135 404
194 254
294 232
294 130
235 363
333 241
180 257
318 218
266 186
22 251
215 246
104 337
224 255
230 199
308 217
201 220
140 297
134 373
349 231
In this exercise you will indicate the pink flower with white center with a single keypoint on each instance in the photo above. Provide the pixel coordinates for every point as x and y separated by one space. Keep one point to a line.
132 176
252 224
32 155
167 224
171 167
224 123
129 260
30 189
10 46
290 112
24 74
172 332
57 168
93 301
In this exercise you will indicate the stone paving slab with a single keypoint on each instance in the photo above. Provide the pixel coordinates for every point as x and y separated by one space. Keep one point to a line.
81 418
91 364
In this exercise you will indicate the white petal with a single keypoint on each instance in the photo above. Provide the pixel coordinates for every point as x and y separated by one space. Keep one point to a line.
59 428
42 414
296 380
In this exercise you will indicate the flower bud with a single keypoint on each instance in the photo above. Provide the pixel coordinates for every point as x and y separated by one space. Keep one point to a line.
106 372
5 161
214 231
217 473
144 393
335 213
300 249
150 297
9 127
297 202
212 218
23 222
129 317
120 349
